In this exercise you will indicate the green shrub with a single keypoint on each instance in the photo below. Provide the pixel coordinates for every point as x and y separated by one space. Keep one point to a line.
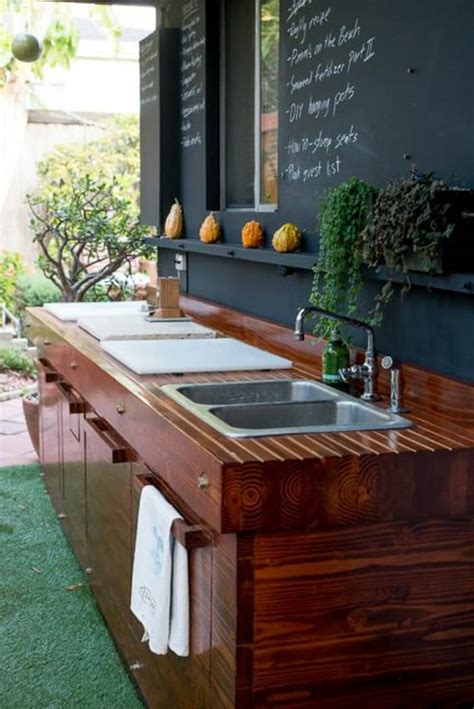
34 290
11 267
14 360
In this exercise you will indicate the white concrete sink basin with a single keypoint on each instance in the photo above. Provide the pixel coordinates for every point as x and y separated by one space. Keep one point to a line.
75 311
198 355
135 327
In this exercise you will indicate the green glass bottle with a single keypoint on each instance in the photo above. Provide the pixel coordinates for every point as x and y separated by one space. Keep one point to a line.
335 357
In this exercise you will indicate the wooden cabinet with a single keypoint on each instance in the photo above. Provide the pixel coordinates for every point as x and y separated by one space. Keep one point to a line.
74 472
109 526
50 427
169 680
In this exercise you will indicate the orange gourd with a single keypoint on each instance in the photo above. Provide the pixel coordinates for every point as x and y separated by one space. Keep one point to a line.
210 230
252 235
174 221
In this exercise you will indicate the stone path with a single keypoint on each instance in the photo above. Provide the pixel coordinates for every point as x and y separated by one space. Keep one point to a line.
16 447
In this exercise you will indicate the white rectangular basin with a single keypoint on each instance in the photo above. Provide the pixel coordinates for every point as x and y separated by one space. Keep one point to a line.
181 356
75 311
135 327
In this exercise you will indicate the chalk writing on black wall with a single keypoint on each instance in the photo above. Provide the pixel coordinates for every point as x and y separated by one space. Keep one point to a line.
148 71
325 60
192 74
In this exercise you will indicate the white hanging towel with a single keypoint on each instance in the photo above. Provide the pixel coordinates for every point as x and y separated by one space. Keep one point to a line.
160 585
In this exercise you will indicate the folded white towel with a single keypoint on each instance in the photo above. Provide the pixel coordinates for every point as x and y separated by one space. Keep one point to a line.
160 587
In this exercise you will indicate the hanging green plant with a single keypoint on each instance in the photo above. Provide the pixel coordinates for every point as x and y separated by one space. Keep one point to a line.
410 220
337 272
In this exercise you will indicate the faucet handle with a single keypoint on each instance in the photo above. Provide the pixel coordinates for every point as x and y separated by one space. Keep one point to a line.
388 362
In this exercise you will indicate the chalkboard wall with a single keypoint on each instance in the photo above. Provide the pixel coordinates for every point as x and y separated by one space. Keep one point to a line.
366 88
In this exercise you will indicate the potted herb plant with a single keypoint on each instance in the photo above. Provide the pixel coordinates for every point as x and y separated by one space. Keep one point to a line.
417 223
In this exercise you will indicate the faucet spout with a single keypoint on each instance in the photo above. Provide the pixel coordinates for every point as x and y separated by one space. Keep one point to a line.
368 371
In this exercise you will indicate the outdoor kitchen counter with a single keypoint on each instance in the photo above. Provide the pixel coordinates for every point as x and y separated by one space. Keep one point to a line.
278 482
328 570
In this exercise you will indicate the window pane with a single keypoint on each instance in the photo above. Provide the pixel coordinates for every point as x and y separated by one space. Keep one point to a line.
239 103
269 41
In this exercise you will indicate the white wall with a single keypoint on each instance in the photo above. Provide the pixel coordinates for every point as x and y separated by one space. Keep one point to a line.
36 141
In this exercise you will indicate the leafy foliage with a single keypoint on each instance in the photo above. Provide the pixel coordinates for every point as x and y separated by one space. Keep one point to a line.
11 267
34 290
86 231
85 212
60 40
14 360
337 273
116 152
411 215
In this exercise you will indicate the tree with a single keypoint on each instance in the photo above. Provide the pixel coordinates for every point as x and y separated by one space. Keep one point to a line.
86 211
86 231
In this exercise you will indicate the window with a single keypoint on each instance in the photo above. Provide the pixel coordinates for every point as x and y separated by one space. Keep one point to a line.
250 102
266 174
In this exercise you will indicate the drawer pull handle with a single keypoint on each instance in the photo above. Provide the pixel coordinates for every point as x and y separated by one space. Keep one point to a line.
203 481
50 374
119 450
136 666
74 365
62 515
77 405
191 536
120 408
46 342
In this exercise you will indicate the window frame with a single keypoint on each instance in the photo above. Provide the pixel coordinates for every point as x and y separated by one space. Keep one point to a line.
259 206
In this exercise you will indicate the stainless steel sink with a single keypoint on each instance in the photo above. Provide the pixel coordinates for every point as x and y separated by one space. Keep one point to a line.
255 392
273 407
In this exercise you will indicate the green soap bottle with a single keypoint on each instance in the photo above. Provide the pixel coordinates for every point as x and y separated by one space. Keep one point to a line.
335 357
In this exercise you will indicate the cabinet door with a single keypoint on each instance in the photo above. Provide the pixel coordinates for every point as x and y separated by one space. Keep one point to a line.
169 680
74 477
50 431
109 525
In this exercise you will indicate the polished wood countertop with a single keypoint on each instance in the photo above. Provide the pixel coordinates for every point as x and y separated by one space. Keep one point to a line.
441 409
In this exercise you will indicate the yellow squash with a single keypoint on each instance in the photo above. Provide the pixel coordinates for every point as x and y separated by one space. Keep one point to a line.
287 238
174 221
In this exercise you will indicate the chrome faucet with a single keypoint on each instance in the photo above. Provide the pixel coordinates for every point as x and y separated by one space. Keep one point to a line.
367 371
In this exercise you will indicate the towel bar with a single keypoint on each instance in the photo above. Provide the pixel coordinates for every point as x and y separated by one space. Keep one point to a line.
191 536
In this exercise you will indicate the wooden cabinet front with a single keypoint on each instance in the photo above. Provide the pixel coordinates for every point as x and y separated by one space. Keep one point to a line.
169 680
109 526
50 426
74 472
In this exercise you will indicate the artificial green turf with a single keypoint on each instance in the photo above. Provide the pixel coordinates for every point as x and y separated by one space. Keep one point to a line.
55 650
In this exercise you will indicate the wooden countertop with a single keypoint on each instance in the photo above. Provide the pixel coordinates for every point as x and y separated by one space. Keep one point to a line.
441 408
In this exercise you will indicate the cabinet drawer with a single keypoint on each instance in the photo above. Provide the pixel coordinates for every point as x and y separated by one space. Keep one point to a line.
182 462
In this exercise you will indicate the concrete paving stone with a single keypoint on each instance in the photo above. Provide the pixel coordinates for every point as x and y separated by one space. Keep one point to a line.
11 428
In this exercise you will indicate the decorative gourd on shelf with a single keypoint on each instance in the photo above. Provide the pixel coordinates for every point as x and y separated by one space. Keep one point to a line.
210 230
287 238
252 235
174 221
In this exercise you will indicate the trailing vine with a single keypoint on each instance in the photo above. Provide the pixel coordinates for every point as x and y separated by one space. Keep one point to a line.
337 273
